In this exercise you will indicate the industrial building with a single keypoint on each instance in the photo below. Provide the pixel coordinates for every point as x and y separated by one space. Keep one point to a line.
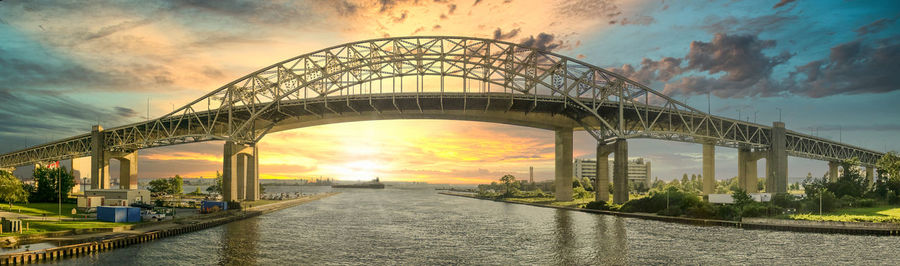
638 170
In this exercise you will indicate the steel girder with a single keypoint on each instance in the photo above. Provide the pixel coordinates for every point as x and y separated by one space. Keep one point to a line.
607 105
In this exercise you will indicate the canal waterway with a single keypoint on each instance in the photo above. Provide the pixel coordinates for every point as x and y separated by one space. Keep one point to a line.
415 225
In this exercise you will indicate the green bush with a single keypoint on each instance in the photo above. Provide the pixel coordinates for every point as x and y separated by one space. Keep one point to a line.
580 193
703 211
728 212
785 200
671 211
757 209
865 203
597 205
656 202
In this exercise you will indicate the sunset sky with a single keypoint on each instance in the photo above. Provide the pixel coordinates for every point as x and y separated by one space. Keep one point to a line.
830 65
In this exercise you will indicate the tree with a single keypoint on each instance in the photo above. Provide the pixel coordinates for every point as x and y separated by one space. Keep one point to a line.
217 186
176 184
741 197
508 180
11 189
586 183
851 183
889 165
160 186
51 184
171 186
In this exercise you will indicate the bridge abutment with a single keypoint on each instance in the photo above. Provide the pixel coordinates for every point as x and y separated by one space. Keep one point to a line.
564 164
709 168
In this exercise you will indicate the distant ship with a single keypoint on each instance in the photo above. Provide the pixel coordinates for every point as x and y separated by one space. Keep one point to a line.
371 184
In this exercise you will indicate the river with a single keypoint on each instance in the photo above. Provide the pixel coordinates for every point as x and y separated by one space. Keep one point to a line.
415 225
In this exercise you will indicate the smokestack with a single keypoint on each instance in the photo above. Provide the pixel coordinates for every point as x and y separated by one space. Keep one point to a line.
531 174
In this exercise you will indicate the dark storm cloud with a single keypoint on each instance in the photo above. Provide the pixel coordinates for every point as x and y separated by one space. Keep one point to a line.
25 71
124 112
499 35
738 61
543 41
852 68
736 66
662 70
782 3
38 115
876 26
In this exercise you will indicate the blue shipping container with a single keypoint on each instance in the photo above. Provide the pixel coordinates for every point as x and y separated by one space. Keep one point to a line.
118 214
212 206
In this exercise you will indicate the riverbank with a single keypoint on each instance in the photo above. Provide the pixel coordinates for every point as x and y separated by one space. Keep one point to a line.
78 244
855 228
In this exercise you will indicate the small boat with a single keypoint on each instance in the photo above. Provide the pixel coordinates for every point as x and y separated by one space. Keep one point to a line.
371 184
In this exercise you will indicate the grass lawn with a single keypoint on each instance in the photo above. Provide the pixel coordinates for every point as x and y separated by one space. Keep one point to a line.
878 214
39 209
37 226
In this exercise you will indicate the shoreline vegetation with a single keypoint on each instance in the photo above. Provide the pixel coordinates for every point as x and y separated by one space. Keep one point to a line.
849 198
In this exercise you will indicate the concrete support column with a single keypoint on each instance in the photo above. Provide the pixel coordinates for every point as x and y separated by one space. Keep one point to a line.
234 170
241 175
776 163
752 175
601 183
99 161
870 175
564 147
252 192
128 170
709 168
620 172
833 171
743 155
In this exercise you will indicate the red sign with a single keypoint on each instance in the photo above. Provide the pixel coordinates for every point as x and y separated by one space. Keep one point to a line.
53 165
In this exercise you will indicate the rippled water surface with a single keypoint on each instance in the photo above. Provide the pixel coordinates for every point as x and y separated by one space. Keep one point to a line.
418 226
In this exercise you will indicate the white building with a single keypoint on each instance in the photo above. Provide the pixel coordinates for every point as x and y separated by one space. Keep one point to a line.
638 170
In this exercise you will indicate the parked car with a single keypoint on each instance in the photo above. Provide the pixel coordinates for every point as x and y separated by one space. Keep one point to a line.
147 215
142 205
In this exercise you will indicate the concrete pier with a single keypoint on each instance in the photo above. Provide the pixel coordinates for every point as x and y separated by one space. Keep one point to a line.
601 183
709 168
620 172
833 171
99 162
564 170
776 162
239 169
870 175
748 177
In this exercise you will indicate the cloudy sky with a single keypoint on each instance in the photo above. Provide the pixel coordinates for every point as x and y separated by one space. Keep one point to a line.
829 65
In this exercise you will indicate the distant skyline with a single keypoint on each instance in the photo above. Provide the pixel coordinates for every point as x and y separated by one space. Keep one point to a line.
829 66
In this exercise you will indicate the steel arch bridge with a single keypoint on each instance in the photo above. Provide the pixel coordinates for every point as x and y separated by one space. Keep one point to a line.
436 77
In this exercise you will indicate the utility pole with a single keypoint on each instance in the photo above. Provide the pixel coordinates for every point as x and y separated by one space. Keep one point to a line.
779 114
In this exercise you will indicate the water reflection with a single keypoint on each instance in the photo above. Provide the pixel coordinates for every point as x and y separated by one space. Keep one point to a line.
565 238
239 243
